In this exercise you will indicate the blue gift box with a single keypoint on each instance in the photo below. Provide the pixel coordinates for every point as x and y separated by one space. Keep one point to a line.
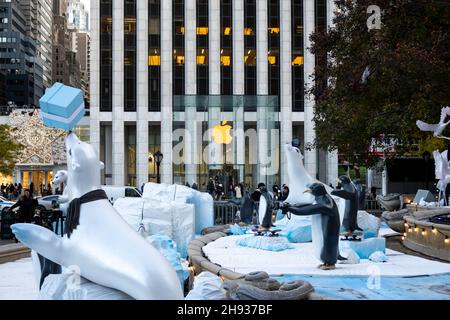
62 107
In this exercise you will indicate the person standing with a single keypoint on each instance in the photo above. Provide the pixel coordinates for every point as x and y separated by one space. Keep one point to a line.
26 205
238 191
31 189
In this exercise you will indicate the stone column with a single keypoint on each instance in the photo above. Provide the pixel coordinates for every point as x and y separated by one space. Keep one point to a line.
309 65
166 91
94 130
118 125
238 87
262 75
191 90
142 93
332 160
286 84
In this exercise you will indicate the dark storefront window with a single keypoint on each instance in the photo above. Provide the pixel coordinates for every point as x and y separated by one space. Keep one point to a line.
226 44
106 55
178 47
274 47
154 55
130 55
250 50
202 48
297 56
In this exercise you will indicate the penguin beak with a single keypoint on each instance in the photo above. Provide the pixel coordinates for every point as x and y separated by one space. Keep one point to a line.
307 191
339 181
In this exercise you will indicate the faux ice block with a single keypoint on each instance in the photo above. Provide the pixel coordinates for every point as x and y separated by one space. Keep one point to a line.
366 247
62 107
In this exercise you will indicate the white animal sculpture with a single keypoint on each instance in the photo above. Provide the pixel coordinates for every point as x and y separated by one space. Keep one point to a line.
299 179
442 170
103 246
438 128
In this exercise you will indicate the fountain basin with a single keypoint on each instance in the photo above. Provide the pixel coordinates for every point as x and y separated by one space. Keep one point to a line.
426 234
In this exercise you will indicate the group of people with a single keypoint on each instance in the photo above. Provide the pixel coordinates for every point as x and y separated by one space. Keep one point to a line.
11 191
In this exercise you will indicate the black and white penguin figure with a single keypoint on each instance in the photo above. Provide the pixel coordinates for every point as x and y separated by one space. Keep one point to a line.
350 194
331 222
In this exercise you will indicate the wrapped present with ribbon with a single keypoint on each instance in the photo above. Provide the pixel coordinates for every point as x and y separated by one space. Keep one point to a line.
62 107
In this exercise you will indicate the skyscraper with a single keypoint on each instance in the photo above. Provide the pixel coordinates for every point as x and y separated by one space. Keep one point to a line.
77 15
161 69
38 20
22 70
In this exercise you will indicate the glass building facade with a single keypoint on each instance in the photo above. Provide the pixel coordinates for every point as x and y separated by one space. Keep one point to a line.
217 86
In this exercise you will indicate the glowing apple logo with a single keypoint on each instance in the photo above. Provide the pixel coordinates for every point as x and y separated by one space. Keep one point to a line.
221 133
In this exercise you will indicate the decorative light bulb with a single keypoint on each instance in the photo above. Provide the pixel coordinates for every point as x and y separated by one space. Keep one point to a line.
424 232
447 240
416 229
403 238
434 230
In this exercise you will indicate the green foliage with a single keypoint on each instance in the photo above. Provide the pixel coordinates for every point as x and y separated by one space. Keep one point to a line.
409 63
9 151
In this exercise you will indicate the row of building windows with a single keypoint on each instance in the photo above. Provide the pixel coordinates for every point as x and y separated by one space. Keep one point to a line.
202 56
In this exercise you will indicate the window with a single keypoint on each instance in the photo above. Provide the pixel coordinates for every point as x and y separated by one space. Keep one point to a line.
297 56
202 47
226 42
154 55
250 73
178 47
130 56
274 47
105 55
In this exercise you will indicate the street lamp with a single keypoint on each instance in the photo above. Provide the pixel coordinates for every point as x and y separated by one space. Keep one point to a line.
158 159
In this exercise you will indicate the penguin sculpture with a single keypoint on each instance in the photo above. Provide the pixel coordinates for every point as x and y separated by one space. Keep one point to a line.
331 224
350 194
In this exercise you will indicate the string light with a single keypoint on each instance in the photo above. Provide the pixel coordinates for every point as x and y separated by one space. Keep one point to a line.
403 238
424 232
416 229
404 235
447 240
434 230
410 230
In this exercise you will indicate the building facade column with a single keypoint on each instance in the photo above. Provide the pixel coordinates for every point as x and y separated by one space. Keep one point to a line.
166 92
214 47
191 90
238 87
94 119
118 125
262 75
309 66
285 85
332 160
142 93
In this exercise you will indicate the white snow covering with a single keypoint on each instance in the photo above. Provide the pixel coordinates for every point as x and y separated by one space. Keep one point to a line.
17 281
301 260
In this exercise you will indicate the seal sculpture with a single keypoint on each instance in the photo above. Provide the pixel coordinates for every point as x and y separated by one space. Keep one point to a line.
331 223
299 179
102 245
350 194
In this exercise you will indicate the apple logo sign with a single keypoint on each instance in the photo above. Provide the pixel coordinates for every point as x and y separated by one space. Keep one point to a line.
221 133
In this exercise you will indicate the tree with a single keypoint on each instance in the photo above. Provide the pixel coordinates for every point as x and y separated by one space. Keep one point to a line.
379 82
9 151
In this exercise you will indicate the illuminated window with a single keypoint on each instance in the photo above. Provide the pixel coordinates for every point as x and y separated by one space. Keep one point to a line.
130 25
225 60
272 59
227 31
202 56
297 61
250 58
274 30
178 57
201 31
154 60
248 32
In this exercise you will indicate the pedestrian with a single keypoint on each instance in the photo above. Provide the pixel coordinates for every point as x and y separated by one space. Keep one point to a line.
26 205
238 191
31 189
